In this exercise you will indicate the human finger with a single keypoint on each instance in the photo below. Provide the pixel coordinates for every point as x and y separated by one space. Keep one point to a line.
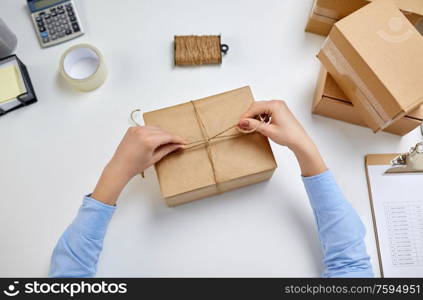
164 150
251 125
257 108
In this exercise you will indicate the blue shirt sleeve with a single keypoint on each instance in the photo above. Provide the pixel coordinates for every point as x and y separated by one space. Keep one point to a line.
77 251
341 231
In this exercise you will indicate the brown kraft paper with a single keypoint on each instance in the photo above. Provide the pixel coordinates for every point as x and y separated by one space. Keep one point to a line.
221 165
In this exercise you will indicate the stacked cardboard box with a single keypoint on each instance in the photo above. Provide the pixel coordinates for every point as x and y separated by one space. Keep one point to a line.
374 56
330 101
325 13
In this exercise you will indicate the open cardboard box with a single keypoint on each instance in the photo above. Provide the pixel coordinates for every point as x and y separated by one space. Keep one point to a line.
325 13
331 102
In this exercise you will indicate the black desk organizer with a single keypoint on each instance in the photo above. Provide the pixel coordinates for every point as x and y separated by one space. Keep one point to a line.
26 98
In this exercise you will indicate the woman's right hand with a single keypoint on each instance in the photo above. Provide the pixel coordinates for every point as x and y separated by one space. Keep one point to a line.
284 129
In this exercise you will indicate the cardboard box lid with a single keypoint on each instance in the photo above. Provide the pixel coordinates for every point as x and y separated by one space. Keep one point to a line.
417 113
414 6
338 9
236 157
332 90
391 47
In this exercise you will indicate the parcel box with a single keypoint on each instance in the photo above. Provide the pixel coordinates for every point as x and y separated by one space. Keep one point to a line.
225 158
325 13
331 102
375 56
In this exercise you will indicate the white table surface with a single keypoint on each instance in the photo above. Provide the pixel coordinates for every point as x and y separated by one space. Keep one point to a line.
52 153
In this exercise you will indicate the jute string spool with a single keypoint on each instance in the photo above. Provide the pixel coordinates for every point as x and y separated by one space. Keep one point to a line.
198 50
206 141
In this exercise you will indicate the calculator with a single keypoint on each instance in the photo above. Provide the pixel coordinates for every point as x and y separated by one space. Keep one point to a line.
55 21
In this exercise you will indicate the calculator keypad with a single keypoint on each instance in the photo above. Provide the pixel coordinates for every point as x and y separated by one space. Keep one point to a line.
58 22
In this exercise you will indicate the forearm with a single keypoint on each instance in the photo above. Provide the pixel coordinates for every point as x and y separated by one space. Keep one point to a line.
309 159
111 183
77 251
340 229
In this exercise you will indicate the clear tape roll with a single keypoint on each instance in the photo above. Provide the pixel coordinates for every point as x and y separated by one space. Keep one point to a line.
83 67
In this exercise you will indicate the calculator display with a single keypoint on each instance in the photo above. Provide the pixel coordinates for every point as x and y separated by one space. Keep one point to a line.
44 3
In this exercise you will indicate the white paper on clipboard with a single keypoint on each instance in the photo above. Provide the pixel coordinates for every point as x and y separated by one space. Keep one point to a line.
397 201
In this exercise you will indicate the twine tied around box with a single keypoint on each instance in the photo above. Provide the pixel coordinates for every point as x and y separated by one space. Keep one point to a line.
263 118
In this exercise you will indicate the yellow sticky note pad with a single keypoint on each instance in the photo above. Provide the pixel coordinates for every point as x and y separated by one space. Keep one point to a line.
10 86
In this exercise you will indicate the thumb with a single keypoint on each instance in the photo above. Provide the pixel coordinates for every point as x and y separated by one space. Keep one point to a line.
250 125
164 150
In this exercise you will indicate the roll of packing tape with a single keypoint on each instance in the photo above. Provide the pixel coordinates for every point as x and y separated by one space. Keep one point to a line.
83 67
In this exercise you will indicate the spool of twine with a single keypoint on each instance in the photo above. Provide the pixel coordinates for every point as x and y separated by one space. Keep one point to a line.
198 50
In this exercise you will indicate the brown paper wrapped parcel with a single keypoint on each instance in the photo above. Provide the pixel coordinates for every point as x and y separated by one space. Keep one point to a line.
223 163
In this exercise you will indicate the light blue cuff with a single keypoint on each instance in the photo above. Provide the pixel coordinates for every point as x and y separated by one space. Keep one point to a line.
323 191
93 218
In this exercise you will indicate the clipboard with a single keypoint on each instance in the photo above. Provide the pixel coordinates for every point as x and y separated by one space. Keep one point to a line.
381 218
376 160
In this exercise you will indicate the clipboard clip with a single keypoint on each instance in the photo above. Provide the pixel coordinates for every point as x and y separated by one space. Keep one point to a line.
411 162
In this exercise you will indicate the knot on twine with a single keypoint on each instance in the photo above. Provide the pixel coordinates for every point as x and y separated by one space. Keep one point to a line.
220 135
